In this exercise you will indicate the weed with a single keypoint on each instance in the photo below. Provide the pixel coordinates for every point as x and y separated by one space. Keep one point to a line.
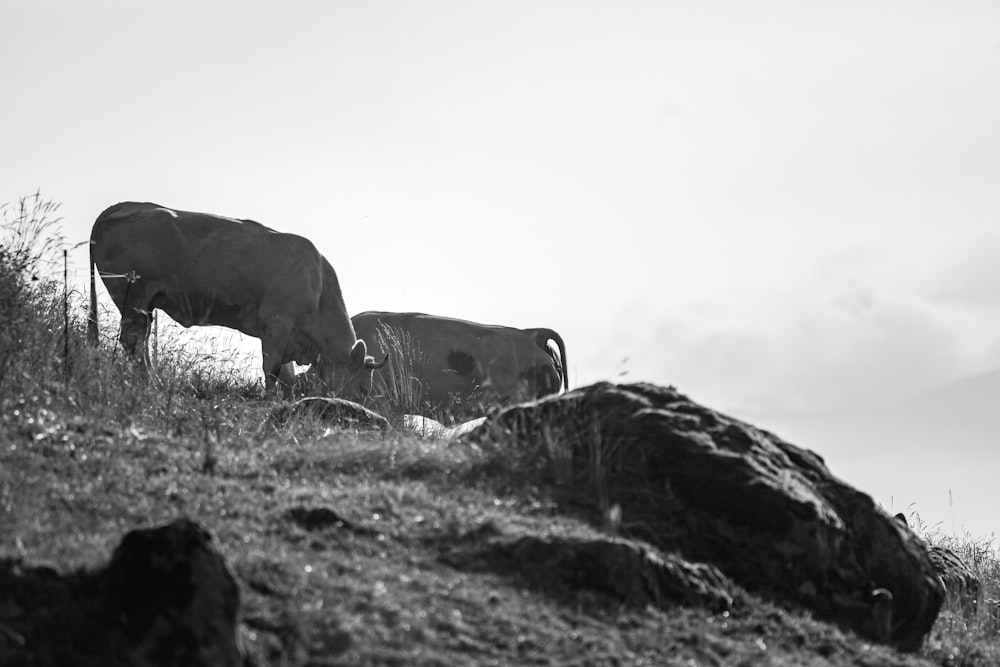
397 389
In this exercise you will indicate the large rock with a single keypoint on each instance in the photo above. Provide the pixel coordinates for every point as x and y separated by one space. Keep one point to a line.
166 598
716 490
174 597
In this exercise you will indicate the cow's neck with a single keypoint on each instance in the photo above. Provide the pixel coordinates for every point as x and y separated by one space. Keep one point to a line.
336 334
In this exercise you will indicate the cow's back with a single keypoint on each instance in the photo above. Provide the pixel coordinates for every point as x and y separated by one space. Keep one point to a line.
501 361
206 269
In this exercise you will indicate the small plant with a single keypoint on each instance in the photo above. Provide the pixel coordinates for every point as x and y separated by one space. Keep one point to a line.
397 388
34 338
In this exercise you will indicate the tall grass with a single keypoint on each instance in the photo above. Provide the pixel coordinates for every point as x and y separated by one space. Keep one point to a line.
35 337
966 633
397 388
46 361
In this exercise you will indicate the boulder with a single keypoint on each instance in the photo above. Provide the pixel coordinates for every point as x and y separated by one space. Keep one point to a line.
715 490
174 597
39 603
166 598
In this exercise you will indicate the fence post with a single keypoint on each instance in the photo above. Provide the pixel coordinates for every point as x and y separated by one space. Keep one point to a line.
66 320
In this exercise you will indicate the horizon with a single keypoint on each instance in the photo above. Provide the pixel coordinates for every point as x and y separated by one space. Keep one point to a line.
777 209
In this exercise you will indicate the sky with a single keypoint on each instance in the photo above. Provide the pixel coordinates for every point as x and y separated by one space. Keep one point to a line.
777 207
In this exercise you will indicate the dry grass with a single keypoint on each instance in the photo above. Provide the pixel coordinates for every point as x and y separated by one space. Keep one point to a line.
965 634
397 388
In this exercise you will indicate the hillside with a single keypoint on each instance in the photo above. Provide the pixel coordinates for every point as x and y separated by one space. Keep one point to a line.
387 582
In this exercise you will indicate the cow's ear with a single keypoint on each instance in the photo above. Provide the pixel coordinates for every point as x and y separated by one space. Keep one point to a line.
358 353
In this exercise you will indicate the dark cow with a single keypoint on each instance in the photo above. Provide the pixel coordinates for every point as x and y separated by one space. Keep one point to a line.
204 269
460 366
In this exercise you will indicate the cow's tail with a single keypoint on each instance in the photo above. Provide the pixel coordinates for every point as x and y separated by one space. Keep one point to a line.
542 337
92 315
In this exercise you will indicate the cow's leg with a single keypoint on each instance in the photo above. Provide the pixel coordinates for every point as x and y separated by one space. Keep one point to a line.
286 378
134 334
134 337
272 368
278 331
130 294
137 323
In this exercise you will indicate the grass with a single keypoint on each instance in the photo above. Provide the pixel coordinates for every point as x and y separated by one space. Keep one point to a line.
396 389
90 449
389 586
963 635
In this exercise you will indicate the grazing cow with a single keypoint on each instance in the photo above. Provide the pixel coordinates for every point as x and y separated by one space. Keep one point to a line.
460 365
204 269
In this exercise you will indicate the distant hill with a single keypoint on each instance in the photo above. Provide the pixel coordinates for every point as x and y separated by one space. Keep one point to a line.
939 449
975 398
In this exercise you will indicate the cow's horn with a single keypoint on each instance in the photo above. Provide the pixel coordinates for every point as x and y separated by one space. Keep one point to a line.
374 365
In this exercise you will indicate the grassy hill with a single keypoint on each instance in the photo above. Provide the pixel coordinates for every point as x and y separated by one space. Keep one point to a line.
350 547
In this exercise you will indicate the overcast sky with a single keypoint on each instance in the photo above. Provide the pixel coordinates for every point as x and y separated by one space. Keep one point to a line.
775 206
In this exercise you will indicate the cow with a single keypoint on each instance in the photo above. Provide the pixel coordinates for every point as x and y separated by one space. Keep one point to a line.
204 269
461 366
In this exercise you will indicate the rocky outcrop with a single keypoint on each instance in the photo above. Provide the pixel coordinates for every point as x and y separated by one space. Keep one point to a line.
166 599
174 597
715 490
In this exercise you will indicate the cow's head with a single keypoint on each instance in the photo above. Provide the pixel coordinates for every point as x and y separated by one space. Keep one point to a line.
354 381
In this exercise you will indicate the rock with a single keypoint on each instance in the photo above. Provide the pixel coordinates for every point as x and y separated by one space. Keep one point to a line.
174 597
963 590
37 604
435 430
629 572
712 489
321 518
337 411
166 598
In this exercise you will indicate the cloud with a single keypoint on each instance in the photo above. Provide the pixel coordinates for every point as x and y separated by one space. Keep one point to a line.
973 278
853 333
